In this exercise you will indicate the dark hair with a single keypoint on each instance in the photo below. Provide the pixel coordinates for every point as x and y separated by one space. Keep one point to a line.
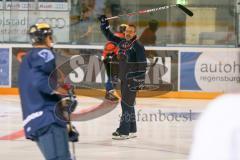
153 24
134 26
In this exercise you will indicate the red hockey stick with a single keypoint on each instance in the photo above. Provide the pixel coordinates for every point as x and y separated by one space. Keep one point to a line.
183 8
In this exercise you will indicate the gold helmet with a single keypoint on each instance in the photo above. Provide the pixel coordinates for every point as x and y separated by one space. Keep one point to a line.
39 31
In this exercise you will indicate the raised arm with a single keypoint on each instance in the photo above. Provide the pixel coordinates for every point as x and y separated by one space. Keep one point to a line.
105 28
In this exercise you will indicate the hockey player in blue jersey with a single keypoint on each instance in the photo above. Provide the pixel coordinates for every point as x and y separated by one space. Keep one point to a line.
38 98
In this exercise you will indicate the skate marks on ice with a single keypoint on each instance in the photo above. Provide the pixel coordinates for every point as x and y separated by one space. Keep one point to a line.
83 113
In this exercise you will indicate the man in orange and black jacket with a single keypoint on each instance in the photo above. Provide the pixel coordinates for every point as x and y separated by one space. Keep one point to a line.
110 61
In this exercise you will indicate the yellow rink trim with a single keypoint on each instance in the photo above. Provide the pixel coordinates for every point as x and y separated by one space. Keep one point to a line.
143 94
9 91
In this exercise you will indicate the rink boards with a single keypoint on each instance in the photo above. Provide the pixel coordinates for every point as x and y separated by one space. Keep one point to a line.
191 72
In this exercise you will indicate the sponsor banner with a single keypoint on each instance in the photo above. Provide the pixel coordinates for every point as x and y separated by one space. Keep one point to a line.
85 68
53 6
15 24
26 6
4 67
187 70
210 71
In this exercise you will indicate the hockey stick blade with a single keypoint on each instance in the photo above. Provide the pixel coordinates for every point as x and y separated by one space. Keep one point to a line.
185 10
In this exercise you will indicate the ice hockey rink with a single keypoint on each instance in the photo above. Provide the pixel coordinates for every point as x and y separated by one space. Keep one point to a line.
158 138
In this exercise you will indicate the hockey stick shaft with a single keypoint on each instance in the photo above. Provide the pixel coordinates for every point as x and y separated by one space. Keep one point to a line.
154 63
183 8
70 89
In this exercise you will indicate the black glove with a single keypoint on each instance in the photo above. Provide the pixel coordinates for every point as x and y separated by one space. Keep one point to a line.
108 58
72 134
69 105
64 108
104 21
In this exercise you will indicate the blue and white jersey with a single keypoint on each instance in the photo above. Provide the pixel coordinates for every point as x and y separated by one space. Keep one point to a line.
37 99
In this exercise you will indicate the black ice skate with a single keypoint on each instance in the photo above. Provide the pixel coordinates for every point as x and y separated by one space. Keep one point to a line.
117 136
